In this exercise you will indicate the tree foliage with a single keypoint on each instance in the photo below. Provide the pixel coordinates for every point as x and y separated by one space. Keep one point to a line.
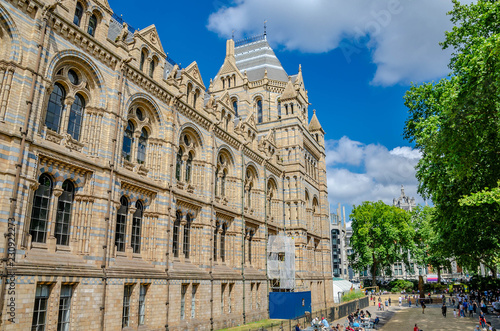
381 236
429 245
456 125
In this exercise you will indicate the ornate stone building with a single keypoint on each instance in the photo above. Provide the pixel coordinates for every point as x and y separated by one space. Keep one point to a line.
133 196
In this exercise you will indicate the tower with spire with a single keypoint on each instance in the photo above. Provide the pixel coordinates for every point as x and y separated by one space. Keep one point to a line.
271 108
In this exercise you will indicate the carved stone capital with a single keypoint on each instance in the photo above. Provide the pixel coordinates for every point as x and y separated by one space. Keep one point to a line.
58 191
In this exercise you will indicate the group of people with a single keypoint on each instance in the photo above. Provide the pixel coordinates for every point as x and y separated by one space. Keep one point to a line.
354 322
473 303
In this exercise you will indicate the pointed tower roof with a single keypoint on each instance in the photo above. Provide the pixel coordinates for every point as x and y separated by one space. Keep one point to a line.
289 92
314 125
256 56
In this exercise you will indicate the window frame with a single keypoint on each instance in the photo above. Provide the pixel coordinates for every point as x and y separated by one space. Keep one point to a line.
64 211
64 308
43 194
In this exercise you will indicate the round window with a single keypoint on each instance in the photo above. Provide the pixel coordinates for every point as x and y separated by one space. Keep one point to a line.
139 114
73 77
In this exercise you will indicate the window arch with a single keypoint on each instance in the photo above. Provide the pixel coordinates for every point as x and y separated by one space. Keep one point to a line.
223 170
189 148
235 107
175 234
279 108
40 209
141 146
143 58
195 97
152 65
63 217
76 116
78 14
187 229
92 25
250 177
121 223
259 111
55 108
136 227
128 139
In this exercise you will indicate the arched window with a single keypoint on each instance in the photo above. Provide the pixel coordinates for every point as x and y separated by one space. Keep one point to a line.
76 116
235 107
216 230
223 184
128 138
143 58
151 68
78 14
195 98
189 165
188 92
291 108
279 109
259 111
250 237
121 225
141 147
92 25
175 234
55 107
63 217
249 196
216 182
223 243
187 228
286 109
136 227
40 209
178 166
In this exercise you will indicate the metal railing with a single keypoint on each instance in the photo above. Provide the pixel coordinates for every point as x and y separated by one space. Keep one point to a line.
249 40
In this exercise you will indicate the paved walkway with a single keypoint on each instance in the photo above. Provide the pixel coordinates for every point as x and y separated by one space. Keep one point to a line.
404 318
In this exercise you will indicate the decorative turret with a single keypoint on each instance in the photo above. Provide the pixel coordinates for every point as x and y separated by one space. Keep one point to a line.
316 129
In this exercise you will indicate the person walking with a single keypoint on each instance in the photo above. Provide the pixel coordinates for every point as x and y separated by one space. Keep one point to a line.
409 302
389 301
471 309
443 309
423 307
400 301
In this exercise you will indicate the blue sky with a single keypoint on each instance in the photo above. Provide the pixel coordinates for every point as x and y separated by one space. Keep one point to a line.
358 58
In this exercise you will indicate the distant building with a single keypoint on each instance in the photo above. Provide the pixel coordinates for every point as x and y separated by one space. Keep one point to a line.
404 202
338 239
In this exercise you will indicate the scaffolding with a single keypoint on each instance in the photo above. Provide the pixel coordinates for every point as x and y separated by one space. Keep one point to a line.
281 262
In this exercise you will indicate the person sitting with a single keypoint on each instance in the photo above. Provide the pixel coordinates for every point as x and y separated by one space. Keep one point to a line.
325 323
376 321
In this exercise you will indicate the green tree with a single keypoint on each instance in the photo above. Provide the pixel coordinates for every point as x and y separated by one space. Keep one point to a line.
456 125
381 236
429 245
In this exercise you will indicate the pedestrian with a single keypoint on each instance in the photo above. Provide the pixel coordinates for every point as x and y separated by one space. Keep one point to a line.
471 309
389 301
482 320
409 302
416 328
297 327
423 307
400 301
386 304
443 309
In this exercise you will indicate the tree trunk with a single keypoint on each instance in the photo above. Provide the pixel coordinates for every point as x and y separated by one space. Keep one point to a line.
374 274
421 286
439 275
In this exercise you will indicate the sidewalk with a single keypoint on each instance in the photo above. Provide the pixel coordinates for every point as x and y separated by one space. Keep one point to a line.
404 318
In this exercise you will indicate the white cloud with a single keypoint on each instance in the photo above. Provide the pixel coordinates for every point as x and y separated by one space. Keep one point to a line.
358 172
403 35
